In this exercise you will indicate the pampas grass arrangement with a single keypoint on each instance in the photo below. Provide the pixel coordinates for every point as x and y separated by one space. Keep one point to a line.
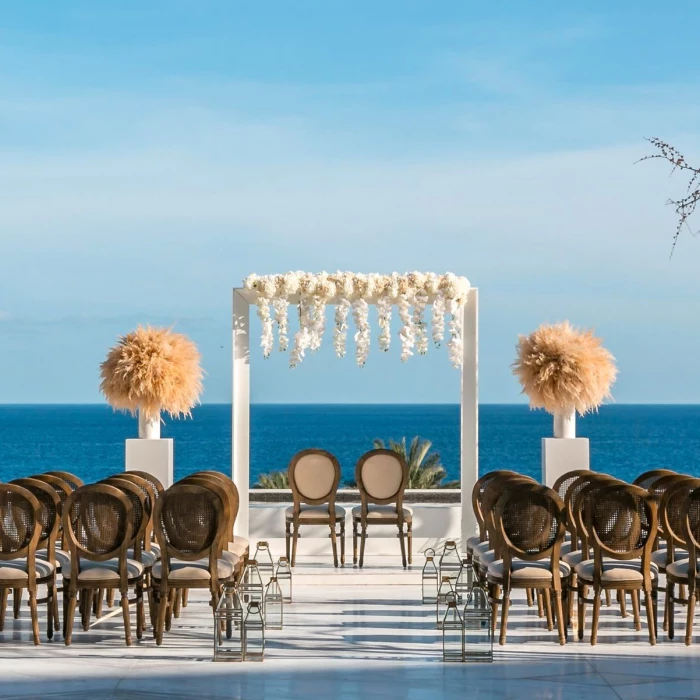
152 370
563 369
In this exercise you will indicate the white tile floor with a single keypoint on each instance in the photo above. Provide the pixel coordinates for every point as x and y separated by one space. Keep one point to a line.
352 637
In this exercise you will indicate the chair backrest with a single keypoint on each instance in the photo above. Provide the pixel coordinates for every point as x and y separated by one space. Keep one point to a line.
225 495
149 502
49 516
71 479
314 476
530 522
573 502
190 524
492 493
381 476
228 483
565 481
478 495
622 524
20 526
62 488
672 512
691 530
98 524
139 514
657 490
154 482
646 479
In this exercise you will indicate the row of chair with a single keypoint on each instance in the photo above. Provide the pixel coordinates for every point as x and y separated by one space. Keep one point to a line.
99 537
589 532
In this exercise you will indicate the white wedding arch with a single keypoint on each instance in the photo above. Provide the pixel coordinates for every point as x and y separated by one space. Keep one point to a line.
353 293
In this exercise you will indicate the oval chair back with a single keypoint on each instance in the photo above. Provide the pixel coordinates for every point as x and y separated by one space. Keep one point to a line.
478 496
71 479
646 479
49 516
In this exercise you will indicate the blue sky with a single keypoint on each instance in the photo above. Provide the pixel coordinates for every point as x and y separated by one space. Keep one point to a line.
154 153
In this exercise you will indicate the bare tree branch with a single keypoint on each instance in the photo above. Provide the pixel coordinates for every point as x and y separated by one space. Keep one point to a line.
684 207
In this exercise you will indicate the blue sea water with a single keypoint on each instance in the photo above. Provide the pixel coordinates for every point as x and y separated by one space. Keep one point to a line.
89 440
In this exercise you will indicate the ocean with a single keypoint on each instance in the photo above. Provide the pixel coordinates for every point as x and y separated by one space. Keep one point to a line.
89 440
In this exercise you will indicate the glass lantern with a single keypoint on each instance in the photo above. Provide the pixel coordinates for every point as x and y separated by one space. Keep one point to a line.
284 578
254 633
264 558
429 578
251 586
465 581
445 593
452 633
450 562
274 605
228 626
478 632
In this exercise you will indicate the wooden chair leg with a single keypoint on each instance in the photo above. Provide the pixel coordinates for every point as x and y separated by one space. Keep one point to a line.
334 545
97 603
635 610
35 618
548 609
669 609
140 615
403 545
87 608
354 543
409 538
70 615
581 610
649 603
127 617
16 601
596 616
528 595
495 595
295 539
177 601
56 617
691 616
50 591
540 609
185 597
4 593
622 598
110 597
608 599
504 616
342 544
561 623
363 537
172 597
288 539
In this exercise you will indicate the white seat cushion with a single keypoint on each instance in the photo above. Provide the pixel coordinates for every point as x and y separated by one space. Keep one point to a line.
239 546
527 571
485 558
659 556
377 513
615 571
198 570
472 542
679 569
103 570
16 570
572 558
307 511
480 549
148 559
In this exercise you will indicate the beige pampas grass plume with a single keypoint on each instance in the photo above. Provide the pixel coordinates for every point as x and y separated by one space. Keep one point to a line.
152 370
561 369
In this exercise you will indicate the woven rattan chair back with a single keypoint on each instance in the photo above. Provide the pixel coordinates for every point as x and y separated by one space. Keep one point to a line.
189 522
149 503
139 514
223 494
657 490
492 493
154 482
691 531
231 488
20 523
62 488
381 476
314 476
672 512
529 518
478 497
71 479
646 479
49 517
622 523
577 503
565 481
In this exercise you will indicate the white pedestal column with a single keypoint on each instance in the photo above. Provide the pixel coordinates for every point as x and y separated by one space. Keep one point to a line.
152 456
561 455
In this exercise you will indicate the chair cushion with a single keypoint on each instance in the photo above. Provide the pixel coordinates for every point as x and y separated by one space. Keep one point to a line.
103 570
659 556
472 542
526 571
678 569
485 558
565 548
572 558
148 559
307 511
377 513
239 546
615 571
155 548
198 570
16 570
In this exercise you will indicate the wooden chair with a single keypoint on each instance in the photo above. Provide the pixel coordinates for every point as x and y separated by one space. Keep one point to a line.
646 479
529 518
98 523
680 516
191 523
381 476
73 481
662 555
622 526
20 533
314 476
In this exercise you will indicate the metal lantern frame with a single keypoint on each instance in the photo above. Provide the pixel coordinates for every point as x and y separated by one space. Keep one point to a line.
450 562
430 581
254 625
228 626
465 581
444 594
266 564
477 617
273 605
251 586
283 572
452 629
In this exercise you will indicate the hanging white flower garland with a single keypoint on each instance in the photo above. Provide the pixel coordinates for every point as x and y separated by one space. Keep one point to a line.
412 293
